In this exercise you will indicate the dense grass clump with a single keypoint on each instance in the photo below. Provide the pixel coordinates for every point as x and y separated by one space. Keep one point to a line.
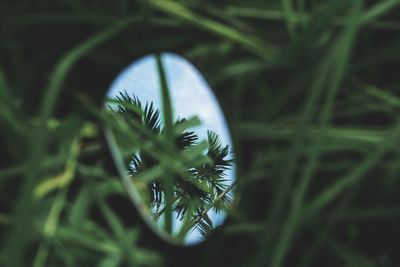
311 93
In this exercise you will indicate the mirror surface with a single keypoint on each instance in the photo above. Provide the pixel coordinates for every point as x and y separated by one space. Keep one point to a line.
172 146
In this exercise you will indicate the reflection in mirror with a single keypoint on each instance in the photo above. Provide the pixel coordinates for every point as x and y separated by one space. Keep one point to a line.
170 140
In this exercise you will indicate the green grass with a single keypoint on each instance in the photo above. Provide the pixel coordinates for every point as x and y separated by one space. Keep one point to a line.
311 93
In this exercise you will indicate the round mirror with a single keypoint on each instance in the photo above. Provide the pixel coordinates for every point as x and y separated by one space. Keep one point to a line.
172 146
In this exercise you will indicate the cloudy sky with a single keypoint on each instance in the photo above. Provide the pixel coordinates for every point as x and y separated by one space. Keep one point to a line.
190 96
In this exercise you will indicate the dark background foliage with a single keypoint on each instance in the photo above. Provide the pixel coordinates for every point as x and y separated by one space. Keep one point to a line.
311 93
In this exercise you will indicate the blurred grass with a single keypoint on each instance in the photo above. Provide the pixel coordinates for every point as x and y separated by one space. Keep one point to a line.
310 90
168 121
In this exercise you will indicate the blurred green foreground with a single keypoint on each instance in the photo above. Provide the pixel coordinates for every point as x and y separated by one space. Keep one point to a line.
311 92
